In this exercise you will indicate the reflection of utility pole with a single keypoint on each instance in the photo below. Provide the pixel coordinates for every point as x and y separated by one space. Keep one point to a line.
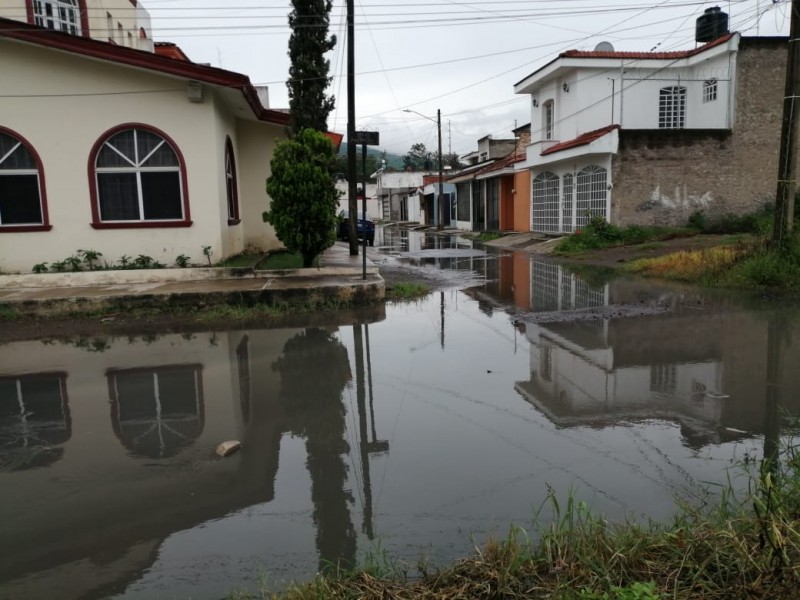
442 313
366 446
772 422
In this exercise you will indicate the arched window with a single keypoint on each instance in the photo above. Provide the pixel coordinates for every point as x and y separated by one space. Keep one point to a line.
672 107
544 202
61 15
23 205
138 179
231 188
592 194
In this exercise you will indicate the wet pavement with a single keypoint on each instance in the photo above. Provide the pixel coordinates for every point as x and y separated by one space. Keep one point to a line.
418 434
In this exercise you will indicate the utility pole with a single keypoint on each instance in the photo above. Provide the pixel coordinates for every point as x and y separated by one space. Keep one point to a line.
352 202
441 168
787 162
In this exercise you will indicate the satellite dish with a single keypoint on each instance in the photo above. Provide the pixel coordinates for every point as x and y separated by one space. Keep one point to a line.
604 47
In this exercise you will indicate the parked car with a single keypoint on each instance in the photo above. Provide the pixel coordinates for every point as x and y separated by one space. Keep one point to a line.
363 227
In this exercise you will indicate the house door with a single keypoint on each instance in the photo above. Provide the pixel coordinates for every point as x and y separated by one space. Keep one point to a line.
478 207
493 204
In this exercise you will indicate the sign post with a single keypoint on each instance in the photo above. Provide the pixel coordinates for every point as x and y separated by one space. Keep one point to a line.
365 138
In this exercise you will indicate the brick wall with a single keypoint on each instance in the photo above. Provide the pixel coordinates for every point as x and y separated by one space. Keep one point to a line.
662 176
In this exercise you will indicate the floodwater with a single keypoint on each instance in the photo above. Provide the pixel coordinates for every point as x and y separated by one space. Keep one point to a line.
419 434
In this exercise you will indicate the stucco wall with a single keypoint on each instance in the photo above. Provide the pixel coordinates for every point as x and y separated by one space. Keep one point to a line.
66 103
522 200
663 176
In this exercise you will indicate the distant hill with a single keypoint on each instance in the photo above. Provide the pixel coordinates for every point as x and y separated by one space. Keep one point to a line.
393 161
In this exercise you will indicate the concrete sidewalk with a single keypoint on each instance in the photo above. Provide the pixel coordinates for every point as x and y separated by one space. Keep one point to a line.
338 279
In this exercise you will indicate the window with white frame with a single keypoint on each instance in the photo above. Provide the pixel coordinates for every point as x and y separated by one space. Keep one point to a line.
547 120
709 90
545 202
139 179
591 193
672 107
20 185
61 15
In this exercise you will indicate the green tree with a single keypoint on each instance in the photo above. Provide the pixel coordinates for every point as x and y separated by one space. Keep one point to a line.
452 160
309 106
419 158
304 197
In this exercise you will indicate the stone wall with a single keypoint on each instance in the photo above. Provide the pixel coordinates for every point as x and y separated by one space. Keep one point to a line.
661 177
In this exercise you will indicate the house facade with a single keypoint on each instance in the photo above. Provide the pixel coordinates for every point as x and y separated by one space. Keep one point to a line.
124 150
652 137
487 194
397 195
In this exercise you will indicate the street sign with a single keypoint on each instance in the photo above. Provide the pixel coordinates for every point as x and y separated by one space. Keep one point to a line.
368 138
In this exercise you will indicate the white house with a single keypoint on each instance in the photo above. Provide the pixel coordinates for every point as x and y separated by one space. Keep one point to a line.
397 195
651 137
111 143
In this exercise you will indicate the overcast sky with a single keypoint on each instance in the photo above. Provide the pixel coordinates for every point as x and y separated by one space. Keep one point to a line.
460 57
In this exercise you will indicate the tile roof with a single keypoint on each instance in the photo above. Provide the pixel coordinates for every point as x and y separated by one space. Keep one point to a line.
581 140
646 55
501 164
151 61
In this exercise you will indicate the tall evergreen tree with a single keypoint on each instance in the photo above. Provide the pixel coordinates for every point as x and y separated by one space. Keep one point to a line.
308 73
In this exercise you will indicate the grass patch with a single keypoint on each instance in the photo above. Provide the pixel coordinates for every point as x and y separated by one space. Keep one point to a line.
488 236
283 260
740 548
246 259
407 291
601 234
753 264
9 313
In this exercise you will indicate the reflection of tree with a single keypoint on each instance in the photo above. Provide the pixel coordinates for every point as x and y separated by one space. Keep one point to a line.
314 370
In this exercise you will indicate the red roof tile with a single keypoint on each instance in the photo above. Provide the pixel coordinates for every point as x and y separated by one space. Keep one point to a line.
501 164
40 36
170 50
646 55
581 140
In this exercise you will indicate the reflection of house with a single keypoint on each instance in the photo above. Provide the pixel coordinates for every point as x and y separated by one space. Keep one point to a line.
651 137
487 194
580 377
34 420
157 411
163 156
129 477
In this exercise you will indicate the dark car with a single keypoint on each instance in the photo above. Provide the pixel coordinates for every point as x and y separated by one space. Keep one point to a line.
364 227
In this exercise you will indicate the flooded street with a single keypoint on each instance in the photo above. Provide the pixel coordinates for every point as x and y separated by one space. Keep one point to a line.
419 434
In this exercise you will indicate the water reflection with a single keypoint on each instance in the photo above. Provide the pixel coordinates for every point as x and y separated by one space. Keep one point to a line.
382 432
34 420
314 370
156 412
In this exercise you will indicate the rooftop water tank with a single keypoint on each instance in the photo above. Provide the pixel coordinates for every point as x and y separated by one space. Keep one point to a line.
712 24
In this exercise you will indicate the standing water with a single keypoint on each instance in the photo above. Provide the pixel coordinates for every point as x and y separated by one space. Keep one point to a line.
418 435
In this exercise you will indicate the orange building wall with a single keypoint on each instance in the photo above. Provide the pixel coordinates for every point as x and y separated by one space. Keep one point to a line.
522 201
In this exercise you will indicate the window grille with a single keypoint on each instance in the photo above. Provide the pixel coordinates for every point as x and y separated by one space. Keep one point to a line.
61 15
567 201
672 108
592 194
709 90
663 378
545 202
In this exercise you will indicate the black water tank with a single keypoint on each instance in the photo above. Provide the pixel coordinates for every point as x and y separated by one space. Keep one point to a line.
712 24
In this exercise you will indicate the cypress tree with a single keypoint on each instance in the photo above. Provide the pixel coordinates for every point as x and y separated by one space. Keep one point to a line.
308 74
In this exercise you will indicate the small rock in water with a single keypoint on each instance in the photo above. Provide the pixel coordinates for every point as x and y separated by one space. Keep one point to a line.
228 448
